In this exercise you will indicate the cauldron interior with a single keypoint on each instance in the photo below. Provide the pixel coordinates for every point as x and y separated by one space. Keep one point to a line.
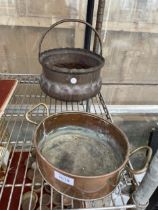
69 59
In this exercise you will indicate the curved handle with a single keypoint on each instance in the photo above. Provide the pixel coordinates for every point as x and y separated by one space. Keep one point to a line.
149 154
33 108
68 20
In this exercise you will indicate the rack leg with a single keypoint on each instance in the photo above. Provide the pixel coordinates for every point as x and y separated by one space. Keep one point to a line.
149 184
87 106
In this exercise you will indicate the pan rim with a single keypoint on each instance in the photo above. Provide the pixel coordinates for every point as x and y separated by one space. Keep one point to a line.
119 169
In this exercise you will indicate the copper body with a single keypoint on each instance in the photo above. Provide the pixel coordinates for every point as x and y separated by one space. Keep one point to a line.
84 187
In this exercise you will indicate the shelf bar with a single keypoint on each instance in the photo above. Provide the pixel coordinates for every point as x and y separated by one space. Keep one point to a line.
27 94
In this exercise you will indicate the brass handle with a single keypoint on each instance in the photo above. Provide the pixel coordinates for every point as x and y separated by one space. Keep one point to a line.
69 20
149 154
32 109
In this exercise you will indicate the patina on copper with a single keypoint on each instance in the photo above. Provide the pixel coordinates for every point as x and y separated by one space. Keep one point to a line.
70 74
84 187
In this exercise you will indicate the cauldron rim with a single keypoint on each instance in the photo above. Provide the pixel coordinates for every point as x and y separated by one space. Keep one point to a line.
45 54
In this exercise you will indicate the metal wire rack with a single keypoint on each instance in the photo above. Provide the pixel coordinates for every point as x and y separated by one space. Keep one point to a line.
17 133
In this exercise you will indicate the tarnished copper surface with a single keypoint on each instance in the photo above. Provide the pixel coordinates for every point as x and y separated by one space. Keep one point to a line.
26 200
70 74
46 199
84 187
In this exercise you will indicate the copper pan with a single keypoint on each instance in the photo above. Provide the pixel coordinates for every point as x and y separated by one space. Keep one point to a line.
77 186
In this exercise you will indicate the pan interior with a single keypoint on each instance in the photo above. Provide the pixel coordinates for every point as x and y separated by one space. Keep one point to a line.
81 151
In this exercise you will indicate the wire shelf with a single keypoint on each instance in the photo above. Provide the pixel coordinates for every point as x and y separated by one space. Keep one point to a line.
17 133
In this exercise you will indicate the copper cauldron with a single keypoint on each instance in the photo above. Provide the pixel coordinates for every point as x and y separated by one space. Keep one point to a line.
70 74
81 167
